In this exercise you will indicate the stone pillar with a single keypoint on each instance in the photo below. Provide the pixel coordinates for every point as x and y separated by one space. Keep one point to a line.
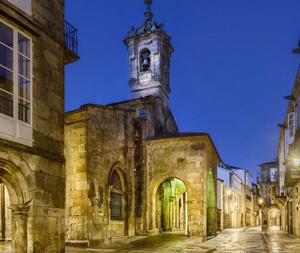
2 213
19 229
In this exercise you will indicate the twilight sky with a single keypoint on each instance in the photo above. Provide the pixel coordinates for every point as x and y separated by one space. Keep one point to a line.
231 66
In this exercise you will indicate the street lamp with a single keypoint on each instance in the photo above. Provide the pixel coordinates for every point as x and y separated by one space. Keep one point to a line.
260 201
228 192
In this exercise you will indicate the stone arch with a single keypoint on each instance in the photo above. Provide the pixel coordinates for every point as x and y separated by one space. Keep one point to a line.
211 208
152 196
171 206
274 216
18 190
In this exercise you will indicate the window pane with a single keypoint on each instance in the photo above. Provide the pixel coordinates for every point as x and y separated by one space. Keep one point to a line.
6 103
6 80
6 57
23 45
6 35
116 206
24 110
24 66
115 181
24 88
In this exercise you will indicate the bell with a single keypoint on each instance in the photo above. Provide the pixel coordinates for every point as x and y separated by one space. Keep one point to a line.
145 64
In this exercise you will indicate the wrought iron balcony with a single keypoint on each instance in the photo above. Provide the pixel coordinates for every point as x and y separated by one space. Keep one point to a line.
71 43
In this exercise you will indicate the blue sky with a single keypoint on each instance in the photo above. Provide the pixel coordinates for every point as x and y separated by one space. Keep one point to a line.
231 66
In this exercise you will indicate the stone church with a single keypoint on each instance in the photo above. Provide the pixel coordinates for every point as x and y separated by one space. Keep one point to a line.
100 172
128 169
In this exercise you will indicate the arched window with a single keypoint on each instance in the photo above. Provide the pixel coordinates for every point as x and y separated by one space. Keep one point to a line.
116 196
145 61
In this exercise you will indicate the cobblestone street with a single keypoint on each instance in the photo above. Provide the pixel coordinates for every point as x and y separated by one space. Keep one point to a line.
245 240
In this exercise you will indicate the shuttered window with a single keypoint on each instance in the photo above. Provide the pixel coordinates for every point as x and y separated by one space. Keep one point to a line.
291 127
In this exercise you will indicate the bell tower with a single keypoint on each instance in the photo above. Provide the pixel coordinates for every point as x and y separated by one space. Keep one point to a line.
149 50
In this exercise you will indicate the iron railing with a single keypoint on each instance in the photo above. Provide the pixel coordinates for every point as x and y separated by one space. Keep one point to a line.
71 38
24 113
6 106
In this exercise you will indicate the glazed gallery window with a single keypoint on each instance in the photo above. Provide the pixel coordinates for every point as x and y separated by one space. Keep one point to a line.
116 197
15 74
24 5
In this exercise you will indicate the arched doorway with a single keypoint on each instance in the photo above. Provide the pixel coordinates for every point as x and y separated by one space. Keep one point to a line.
17 196
171 206
118 204
211 210
274 218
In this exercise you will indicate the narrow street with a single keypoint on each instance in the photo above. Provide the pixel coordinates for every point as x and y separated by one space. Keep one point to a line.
243 240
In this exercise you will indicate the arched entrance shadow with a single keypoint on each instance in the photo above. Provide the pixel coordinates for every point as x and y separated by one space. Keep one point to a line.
274 217
19 195
153 204
171 206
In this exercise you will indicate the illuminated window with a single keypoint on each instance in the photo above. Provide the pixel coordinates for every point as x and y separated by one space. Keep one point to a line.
15 83
116 197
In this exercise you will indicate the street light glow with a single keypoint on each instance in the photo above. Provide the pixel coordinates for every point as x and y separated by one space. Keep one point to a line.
228 192
260 201
296 162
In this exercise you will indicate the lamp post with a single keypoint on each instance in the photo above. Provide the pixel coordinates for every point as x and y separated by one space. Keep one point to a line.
261 204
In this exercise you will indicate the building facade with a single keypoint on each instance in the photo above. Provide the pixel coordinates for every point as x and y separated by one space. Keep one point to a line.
128 169
288 156
236 198
33 53
272 202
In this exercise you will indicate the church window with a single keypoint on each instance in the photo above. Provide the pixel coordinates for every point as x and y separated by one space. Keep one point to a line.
145 60
15 81
116 197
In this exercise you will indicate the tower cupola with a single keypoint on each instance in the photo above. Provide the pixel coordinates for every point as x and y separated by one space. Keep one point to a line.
149 50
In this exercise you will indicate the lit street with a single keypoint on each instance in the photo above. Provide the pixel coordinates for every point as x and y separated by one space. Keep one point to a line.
250 240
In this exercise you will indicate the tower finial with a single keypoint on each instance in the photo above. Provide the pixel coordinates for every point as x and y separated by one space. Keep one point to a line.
148 13
148 2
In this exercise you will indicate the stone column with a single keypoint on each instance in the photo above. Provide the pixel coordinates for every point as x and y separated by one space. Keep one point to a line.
19 229
2 213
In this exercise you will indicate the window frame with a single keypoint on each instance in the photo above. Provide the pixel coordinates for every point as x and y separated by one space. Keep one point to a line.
16 74
26 8
13 129
116 192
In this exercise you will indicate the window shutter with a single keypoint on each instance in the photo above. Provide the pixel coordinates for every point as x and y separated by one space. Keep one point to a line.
286 142
291 127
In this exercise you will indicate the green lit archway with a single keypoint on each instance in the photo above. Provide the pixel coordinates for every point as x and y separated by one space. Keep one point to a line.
211 211
171 207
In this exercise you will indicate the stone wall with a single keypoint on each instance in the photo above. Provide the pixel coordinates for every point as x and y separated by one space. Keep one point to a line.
38 188
76 180
98 140
7 215
186 158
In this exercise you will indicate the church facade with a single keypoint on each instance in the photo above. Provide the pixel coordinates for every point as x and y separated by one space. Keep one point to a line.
129 171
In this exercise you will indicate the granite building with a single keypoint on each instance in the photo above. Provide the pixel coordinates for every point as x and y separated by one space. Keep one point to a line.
33 52
128 169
